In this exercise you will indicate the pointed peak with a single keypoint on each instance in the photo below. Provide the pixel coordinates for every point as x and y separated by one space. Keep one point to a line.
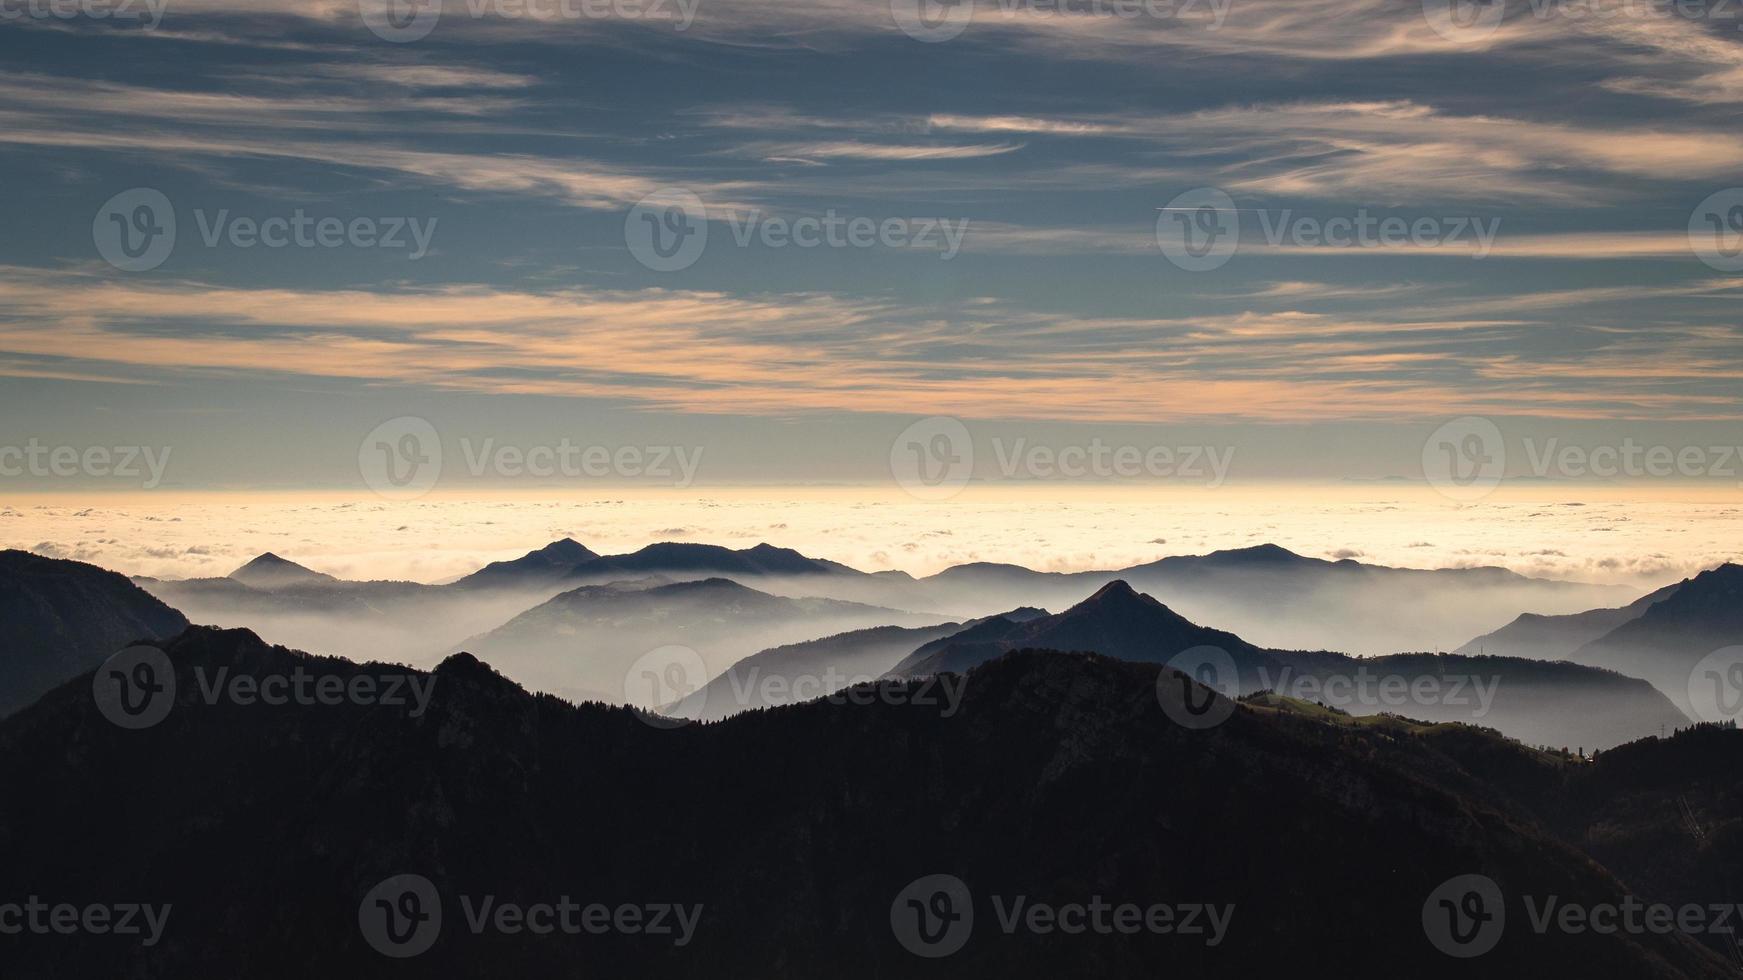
1117 589
1119 599
566 548
268 569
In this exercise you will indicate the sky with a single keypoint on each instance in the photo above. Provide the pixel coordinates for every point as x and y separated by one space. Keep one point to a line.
314 246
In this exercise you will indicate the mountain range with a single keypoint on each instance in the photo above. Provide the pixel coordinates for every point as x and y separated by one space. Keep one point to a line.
1267 594
746 648
1558 704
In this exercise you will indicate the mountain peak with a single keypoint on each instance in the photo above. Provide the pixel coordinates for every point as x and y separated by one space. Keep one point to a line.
566 549
1117 621
1118 589
559 558
1259 553
270 571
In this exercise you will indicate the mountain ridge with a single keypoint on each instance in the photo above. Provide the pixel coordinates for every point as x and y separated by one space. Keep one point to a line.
495 790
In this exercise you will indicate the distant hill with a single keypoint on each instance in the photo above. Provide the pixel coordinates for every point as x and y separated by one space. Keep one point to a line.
796 830
798 672
420 623
407 621
708 560
1667 640
269 571
1276 598
1555 637
804 671
582 643
62 618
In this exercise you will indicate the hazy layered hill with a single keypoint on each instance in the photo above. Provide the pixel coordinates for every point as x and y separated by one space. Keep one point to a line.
62 618
583 642
1276 598
290 603
1060 779
1559 704
804 671
1666 641
1270 596
1554 637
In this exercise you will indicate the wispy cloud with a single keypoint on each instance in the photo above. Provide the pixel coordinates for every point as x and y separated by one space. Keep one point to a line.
889 152
711 352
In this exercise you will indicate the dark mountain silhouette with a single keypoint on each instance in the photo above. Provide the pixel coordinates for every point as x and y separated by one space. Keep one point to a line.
1667 816
1554 637
1116 621
1060 779
1538 703
62 618
269 571
582 643
553 562
1668 639
711 561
